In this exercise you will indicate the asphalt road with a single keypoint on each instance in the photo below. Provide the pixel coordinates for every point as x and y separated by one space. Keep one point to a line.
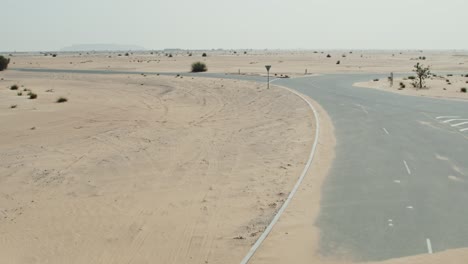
399 183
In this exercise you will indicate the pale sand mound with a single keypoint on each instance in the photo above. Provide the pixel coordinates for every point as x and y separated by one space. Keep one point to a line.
442 86
171 171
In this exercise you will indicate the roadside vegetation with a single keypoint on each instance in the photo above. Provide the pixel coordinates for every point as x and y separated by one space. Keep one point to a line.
4 63
422 74
199 67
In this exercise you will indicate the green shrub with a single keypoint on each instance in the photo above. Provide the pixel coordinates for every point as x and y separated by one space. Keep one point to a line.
4 63
62 100
463 90
32 96
199 67
204 55
14 87
412 77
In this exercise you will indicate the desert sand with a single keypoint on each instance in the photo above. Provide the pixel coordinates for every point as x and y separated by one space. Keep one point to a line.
136 169
153 169
291 63
439 86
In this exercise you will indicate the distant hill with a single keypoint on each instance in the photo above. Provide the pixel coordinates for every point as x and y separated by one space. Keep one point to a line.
101 47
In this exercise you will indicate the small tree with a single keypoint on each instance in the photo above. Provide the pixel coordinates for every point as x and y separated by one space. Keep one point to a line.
422 73
199 67
4 63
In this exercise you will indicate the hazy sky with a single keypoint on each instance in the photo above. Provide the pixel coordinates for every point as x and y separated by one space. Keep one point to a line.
31 25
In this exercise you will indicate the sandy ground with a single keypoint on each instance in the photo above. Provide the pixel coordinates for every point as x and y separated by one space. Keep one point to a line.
171 171
290 63
174 170
439 86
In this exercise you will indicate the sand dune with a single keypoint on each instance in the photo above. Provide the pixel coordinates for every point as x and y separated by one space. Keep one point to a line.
136 169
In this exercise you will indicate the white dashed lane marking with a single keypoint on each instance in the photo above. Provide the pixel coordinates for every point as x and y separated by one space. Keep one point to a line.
457 122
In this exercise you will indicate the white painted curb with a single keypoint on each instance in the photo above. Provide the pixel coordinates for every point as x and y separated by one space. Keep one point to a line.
269 228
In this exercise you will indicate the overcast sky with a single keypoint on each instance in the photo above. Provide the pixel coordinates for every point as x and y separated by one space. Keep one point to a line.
32 25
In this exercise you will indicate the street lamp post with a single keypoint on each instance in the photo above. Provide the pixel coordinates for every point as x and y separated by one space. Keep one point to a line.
268 67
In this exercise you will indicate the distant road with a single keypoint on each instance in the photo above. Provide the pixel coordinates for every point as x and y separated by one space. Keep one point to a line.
399 183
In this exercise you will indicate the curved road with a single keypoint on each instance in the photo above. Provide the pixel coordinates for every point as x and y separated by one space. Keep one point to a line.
399 183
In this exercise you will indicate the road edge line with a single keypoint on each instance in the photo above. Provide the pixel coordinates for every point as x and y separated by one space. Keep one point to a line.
269 228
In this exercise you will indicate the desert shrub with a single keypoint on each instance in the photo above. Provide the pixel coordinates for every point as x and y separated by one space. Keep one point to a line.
344 56
62 100
54 55
449 75
411 77
199 67
14 87
328 56
402 85
13 106
204 55
463 90
422 73
338 62
170 56
126 54
245 52
4 63
19 94
376 80
32 96
466 75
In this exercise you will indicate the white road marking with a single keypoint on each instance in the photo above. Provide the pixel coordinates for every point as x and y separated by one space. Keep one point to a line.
386 131
429 246
409 207
407 168
451 120
363 108
397 181
464 129
442 117
459 124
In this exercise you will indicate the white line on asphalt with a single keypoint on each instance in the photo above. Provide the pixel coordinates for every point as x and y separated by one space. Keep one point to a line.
269 228
459 124
442 117
407 168
429 246
363 108
386 131
451 120
464 129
